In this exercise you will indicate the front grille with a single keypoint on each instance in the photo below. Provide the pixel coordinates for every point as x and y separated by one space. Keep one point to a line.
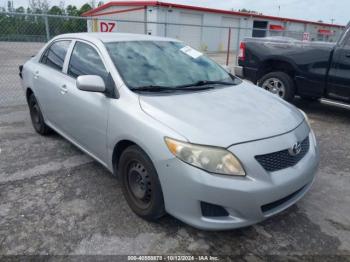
282 159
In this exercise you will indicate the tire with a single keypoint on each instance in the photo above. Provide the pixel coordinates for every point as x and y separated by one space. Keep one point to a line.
37 117
140 184
278 83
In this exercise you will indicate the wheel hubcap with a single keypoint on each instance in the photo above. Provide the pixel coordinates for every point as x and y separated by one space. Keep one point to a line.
139 183
275 86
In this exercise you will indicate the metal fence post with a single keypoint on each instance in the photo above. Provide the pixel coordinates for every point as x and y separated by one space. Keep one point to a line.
238 41
47 28
228 46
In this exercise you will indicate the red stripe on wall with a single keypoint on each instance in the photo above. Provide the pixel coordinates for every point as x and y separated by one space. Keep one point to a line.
119 11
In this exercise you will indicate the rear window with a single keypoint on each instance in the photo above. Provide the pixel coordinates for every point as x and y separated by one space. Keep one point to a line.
55 54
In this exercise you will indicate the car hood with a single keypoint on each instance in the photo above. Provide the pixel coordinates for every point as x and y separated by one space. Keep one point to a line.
223 116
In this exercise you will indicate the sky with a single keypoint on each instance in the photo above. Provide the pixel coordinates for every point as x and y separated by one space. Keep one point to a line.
312 10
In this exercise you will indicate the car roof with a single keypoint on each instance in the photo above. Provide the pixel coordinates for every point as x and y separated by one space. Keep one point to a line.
114 37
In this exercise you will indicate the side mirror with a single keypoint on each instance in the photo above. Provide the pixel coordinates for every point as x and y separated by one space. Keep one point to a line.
91 83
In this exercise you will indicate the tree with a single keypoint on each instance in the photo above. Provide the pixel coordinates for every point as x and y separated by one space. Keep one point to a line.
39 6
244 10
32 28
84 9
62 5
55 10
20 9
72 10
100 3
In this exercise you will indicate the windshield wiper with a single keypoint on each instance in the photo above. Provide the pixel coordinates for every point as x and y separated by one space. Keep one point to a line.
208 82
156 88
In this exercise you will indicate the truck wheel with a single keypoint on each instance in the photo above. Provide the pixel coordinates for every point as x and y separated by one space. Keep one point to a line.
37 117
140 184
278 83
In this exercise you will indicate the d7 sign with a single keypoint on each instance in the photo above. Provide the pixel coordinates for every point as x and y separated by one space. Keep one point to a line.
107 26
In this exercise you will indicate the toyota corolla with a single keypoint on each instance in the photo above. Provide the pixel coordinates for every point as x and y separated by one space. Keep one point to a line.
183 135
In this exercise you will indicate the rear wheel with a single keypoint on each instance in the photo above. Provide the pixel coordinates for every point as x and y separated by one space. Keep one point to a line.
278 83
37 117
140 184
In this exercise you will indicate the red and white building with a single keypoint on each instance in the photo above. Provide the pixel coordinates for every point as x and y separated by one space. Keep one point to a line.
209 30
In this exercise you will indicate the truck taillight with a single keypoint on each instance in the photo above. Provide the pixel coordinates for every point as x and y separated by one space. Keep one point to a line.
241 54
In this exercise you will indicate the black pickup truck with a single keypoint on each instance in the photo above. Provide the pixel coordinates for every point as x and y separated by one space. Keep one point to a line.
288 67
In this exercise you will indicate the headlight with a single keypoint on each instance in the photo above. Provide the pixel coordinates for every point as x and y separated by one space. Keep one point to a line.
305 117
211 159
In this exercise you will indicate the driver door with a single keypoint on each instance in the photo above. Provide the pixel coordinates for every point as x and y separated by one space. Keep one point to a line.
86 113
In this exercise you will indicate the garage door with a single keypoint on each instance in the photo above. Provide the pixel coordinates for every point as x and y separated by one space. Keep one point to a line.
229 22
192 35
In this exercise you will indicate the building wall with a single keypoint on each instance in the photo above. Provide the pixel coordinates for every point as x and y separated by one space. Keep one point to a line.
316 36
139 27
205 31
211 38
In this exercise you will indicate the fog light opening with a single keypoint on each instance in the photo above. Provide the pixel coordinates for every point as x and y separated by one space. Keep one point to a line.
211 210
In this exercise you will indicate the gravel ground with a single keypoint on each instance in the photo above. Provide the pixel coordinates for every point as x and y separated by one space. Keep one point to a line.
56 200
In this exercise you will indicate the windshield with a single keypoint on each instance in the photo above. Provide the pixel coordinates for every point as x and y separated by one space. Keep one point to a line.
164 64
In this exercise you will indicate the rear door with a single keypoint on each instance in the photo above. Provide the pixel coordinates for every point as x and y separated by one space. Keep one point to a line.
86 113
47 79
339 73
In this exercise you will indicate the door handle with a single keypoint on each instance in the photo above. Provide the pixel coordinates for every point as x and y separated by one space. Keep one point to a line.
36 75
64 89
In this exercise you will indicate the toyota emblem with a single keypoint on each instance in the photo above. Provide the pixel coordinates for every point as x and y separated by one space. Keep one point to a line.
295 149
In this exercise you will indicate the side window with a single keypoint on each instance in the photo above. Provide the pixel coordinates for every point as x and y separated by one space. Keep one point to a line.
86 61
55 54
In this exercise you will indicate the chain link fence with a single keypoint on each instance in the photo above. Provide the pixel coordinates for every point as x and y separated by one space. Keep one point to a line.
23 35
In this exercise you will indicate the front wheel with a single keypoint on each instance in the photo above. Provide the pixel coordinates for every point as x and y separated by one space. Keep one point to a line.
278 83
140 184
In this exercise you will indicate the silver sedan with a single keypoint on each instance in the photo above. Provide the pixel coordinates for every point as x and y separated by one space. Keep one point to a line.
183 135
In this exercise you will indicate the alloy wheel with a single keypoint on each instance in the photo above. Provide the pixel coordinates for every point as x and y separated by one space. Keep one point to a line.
275 86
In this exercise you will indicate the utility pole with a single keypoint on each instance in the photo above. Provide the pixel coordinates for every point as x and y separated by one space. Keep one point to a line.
332 19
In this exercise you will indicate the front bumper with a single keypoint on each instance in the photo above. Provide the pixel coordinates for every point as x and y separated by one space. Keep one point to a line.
244 198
